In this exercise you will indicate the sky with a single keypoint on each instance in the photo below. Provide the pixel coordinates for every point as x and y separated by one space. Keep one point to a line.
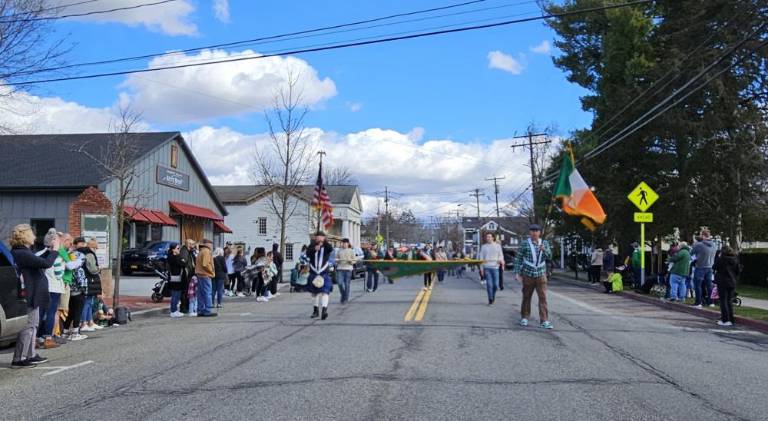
429 118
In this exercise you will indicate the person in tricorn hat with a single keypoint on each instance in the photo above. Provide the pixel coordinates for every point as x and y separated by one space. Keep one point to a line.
531 270
319 255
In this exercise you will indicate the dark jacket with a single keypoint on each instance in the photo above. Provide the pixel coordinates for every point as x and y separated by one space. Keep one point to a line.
312 254
277 258
608 261
189 260
727 271
175 266
32 269
239 263
94 277
220 268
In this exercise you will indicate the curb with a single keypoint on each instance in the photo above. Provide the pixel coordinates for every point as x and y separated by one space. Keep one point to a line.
757 325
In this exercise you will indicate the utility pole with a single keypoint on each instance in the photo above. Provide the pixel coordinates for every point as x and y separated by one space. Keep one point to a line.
378 217
386 213
496 190
530 135
477 195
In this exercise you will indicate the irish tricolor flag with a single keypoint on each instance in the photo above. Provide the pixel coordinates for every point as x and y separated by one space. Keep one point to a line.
577 197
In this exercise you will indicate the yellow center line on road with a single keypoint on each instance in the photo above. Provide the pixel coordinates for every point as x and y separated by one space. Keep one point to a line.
423 307
411 311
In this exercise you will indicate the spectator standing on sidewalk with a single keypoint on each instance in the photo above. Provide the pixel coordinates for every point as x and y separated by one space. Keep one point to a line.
278 259
681 266
204 270
345 261
441 256
175 269
609 261
596 265
239 264
704 251
229 256
727 272
187 254
220 277
636 265
531 270
73 263
32 270
93 287
54 275
492 256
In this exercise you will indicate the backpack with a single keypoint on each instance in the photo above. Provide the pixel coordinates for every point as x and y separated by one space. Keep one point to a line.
122 315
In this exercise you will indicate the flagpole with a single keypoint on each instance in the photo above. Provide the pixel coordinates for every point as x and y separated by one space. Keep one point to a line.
319 213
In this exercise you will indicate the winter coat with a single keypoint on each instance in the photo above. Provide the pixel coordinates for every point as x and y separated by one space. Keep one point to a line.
705 254
32 270
204 263
220 267
608 261
681 262
727 271
188 257
175 267
276 256
239 264
92 272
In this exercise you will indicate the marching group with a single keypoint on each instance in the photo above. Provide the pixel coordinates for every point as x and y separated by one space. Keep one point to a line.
62 286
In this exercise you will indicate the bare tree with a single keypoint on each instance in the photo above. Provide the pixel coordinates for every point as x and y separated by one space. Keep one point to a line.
117 159
339 176
285 164
27 47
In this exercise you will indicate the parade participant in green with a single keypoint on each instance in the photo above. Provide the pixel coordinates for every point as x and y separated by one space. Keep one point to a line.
531 270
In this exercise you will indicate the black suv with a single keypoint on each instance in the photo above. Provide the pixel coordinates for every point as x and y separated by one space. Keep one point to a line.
13 310
143 259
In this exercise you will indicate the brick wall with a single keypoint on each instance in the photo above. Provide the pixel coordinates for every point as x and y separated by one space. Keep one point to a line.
91 201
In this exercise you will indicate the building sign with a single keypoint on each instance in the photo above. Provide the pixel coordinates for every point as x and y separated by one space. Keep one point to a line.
172 178
97 227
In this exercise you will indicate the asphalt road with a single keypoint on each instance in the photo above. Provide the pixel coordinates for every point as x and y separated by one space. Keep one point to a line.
608 358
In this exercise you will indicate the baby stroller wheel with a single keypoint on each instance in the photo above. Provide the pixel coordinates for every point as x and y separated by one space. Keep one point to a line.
157 297
737 301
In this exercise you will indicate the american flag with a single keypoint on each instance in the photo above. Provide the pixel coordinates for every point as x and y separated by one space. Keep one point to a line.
322 202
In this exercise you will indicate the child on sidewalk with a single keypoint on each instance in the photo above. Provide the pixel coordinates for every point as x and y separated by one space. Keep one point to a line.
614 283
192 292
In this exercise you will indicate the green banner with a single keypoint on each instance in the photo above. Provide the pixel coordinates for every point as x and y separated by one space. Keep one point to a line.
403 268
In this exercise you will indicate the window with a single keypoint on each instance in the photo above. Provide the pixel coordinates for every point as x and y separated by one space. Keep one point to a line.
174 156
262 226
157 232
288 252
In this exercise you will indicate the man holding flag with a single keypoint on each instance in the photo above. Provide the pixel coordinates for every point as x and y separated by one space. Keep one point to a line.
531 270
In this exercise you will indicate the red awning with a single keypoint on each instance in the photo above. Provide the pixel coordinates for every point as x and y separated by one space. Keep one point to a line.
164 218
150 216
192 210
135 214
221 227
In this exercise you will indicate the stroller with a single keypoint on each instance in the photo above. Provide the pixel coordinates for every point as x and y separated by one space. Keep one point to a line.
299 278
161 289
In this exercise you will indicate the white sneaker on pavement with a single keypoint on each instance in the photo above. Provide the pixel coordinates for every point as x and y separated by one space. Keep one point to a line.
97 327
87 329
77 337
240 294
192 314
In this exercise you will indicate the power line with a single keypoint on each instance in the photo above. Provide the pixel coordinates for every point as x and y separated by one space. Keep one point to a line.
94 12
530 146
496 191
265 38
47 9
337 46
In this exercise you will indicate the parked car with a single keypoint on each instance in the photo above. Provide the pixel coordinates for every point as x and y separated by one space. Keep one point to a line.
144 259
13 309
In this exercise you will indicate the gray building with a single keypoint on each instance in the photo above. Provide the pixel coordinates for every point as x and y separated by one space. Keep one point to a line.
60 181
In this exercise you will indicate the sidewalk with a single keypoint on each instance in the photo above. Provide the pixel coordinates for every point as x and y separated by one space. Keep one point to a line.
753 302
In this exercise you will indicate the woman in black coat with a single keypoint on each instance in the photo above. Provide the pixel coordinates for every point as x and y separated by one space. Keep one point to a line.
176 264
220 275
727 271
32 271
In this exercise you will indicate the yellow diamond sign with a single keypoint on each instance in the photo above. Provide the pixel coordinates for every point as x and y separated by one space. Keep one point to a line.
643 196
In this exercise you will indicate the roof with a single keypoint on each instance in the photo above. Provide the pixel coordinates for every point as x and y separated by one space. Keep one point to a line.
192 210
248 193
509 223
54 161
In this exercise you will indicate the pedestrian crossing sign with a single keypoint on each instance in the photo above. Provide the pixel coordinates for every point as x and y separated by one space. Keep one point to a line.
643 196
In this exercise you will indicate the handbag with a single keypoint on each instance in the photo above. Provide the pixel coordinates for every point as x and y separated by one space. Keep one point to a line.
318 281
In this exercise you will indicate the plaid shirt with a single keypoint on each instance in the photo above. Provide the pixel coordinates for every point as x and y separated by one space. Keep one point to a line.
530 269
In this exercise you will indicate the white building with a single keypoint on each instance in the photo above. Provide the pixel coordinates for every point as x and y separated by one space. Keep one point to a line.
254 223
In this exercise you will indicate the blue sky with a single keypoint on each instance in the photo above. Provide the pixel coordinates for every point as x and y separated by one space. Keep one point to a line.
414 91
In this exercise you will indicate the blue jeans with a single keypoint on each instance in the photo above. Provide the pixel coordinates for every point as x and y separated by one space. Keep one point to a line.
677 289
175 300
491 276
87 313
218 291
204 299
342 278
702 285
440 275
372 280
50 314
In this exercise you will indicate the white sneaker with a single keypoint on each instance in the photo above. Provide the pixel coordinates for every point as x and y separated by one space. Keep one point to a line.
240 294
77 337
277 294
269 295
260 299
87 329
711 305
97 327
192 314
176 315
697 306
722 323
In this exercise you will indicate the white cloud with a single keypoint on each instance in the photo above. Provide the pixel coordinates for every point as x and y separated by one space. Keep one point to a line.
505 62
543 48
433 176
221 10
24 113
205 92
170 18
354 106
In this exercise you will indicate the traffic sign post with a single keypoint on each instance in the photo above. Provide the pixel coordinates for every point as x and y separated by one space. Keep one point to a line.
643 197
